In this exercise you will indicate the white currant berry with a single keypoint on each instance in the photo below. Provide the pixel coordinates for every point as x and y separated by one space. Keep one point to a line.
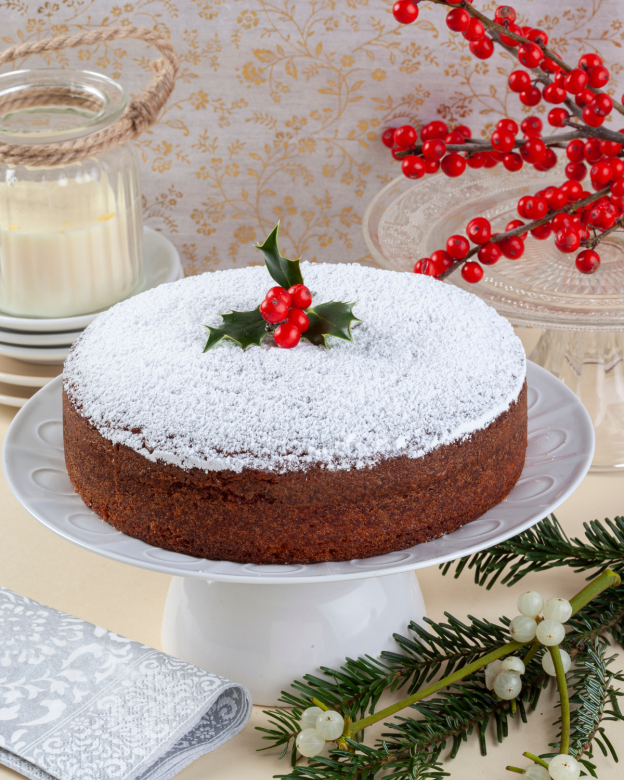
330 724
530 604
513 664
536 772
522 628
564 767
309 716
309 742
557 609
550 633
549 667
507 685
491 673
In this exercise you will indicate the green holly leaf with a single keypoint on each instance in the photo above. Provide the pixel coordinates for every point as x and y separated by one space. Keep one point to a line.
285 272
333 318
244 327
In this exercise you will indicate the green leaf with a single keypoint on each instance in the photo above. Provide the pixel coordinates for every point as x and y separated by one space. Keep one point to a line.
333 318
244 327
285 272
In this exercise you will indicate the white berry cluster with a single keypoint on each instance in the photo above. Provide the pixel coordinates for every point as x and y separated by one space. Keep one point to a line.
317 726
561 767
549 631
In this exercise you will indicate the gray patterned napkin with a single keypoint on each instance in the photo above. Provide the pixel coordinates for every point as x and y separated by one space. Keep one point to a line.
78 702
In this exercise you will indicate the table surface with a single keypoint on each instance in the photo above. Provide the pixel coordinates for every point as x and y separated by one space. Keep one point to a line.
130 601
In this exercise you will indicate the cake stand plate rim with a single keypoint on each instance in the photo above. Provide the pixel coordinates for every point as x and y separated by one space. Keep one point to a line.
34 467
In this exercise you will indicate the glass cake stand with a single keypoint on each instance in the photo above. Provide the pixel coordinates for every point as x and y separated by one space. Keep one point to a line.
265 626
583 316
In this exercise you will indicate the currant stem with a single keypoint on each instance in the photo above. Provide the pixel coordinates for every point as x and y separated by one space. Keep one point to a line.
320 704
515 769
535 759
562 685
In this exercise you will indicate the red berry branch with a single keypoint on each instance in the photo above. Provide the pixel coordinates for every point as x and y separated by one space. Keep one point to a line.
577 218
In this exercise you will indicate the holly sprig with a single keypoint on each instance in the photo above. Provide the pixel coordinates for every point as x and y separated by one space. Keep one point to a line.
249 328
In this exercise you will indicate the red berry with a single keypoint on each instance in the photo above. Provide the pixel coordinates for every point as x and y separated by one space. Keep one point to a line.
525 30
590 118
617 188
454 137
299 319
576 171
554 94
512 248
465 131
536 207
503 14
530 97
584 98
537 36
575 150
573 190
503 140
453 164
507 40
476 159
273 310
590 60
475 30
491 160
489 254
457 19
512 162
555 198
418 265
561 221
548 161
550 66
472 272
301 296
405 136
516 223
479 230
434 129
587 261
603 218
413 167
542 232
442 259
483 48
567 240
432 166
610 148
531 126
602 105
388 137
405 11
598 76
533 150
575 81
281 293
519 81
592 151
601 173
522 203
557 117
287 336
457 247
434 150
507 124
530 55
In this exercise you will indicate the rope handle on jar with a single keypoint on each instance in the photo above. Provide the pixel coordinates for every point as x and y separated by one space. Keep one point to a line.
140 113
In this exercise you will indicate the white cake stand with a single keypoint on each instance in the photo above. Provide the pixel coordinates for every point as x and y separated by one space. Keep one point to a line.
265 626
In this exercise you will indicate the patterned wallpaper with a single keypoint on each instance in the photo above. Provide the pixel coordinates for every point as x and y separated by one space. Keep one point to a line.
279 105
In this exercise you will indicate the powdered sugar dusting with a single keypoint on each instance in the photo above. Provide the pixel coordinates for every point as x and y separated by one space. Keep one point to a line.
429 365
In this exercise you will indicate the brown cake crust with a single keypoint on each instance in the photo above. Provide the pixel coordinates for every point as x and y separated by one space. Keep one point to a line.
297 517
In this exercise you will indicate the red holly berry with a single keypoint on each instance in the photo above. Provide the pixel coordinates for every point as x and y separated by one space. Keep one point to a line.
530 97
508 124
554 94
432 166
536 207
592 151
405 11
602 105
598 76
472 272
550 66
287 336
413 167
281 293
567 240
561 221
301 296
512 247
538 36
531 126
388 137
476 159
512 162
489 254
507 40
299 319
465 131
405 136
590 60
590 118
533 150
490 160
584 98
453 164
573 190
483 48
610 148
530 55
503 140
603 218
434 129
575 150
617 188
475 30
519 81
434 150
479 230
418 265
521 207
442 259
504 14
541 232
576 171
557 117
548 161
454 137
273 310
587 261
575 81
457 19
457 247
555 198
515 223
601 174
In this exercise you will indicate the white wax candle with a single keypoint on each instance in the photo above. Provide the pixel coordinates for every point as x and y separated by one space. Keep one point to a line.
67 246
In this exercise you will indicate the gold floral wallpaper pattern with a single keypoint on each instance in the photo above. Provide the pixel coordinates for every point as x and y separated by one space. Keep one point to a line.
279 105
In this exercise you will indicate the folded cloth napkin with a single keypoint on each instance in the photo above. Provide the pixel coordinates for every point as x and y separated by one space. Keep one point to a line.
78 702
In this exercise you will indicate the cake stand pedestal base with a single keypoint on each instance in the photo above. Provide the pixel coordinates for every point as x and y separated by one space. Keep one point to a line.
266 636
591 363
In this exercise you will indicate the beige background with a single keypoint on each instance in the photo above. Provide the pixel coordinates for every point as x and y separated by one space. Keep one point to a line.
280 104
130 601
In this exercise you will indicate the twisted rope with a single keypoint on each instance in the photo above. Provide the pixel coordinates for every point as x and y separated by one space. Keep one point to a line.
138 116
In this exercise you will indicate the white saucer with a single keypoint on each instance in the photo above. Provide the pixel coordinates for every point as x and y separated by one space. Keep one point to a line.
30 339
12 395
559 453
162 264
18 372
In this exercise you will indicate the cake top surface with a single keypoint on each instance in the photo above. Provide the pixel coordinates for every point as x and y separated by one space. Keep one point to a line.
430 364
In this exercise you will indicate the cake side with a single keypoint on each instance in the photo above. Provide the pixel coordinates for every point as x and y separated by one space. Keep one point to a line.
305 516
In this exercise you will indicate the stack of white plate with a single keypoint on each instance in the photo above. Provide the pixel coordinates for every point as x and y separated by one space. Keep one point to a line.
32 350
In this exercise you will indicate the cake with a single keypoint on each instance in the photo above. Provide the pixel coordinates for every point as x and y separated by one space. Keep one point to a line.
270 455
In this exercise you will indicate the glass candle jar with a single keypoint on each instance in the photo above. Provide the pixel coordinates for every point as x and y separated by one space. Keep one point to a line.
71 236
